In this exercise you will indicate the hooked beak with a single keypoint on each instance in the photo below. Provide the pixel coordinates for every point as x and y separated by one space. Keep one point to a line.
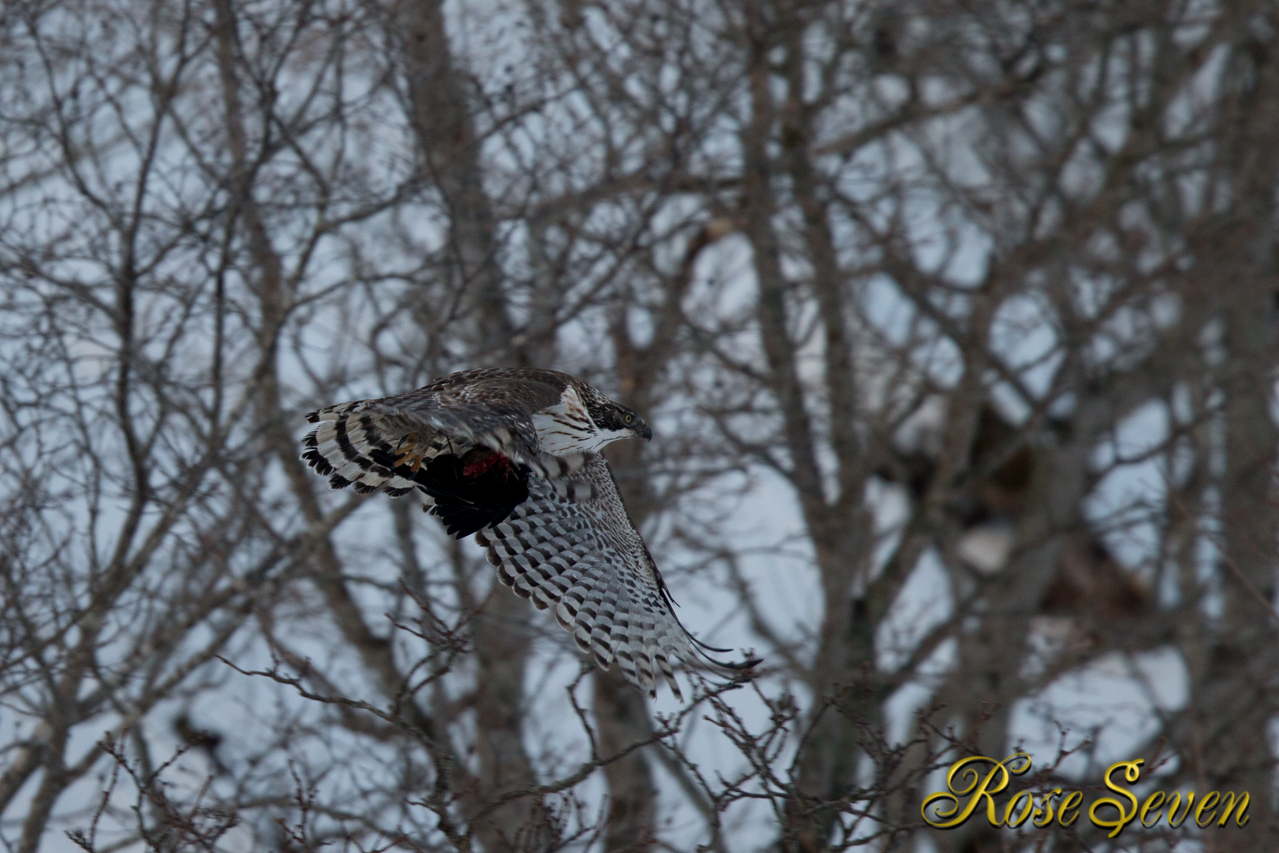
646 433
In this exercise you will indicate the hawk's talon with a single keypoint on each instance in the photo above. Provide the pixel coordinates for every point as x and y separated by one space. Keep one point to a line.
412 454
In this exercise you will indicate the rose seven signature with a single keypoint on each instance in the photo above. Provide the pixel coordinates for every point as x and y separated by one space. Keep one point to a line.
968 789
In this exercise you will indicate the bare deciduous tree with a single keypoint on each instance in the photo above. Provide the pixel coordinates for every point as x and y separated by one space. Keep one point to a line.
956 323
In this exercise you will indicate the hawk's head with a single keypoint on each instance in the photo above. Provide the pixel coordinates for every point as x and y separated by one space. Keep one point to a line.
613 420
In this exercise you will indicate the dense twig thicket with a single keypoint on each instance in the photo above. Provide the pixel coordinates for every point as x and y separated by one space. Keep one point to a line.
956 322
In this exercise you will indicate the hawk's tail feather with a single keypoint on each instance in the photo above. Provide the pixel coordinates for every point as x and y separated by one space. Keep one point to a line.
351 448
354 446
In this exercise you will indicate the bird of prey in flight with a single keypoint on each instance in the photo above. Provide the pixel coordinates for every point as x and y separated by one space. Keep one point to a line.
512 456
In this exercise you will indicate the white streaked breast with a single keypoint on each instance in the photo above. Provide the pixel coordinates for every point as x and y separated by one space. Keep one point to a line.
565 427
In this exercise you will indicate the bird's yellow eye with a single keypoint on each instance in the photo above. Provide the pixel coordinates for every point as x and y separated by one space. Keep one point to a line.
630 418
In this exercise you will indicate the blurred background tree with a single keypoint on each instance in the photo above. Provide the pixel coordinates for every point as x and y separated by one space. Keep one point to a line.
956 323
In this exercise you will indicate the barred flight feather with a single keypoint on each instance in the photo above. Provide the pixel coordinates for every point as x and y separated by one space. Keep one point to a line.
587 561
